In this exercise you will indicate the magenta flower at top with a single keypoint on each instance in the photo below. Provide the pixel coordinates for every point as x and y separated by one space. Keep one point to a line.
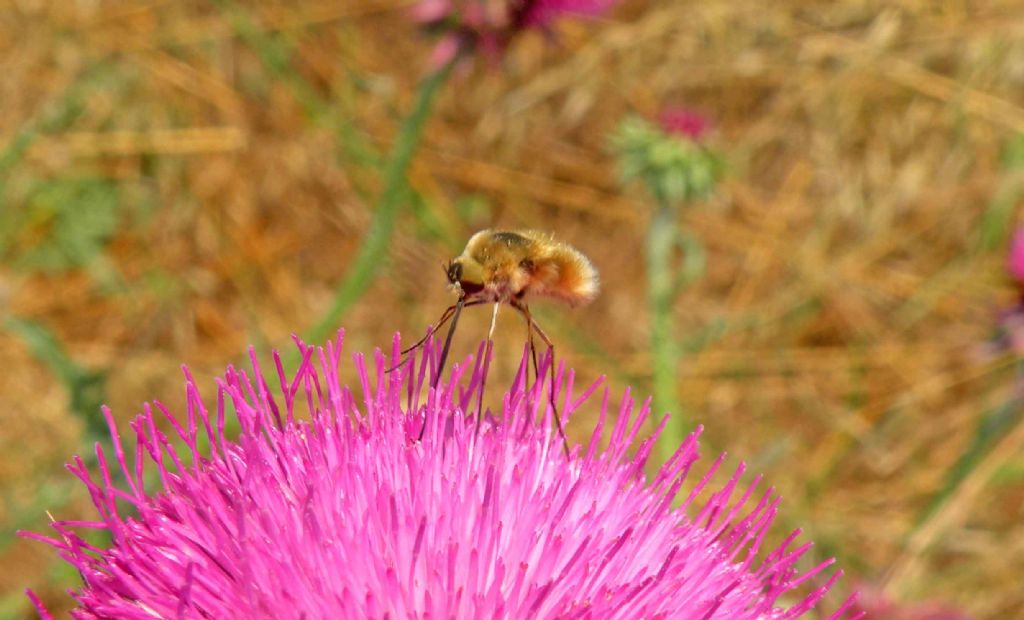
488 26
542 13
1015 259
1008 335
685 123
328 506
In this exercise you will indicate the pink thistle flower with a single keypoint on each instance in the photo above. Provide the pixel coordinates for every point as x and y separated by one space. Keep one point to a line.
1008 335
542 13
327 506
685 123
1015 258
489 25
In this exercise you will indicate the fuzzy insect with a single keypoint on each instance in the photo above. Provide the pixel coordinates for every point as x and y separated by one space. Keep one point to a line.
512 267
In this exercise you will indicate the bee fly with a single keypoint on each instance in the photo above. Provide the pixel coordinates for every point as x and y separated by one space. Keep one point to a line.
510 267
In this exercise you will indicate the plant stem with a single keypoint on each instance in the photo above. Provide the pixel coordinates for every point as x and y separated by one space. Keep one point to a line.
661 240
371 254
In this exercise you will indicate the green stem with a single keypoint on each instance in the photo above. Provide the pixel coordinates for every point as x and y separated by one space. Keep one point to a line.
694 261
371 254
665 355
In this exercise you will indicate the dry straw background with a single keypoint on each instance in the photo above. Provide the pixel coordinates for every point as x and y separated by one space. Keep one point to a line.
181 178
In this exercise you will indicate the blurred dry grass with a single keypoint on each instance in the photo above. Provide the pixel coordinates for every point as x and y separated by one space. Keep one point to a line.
854 254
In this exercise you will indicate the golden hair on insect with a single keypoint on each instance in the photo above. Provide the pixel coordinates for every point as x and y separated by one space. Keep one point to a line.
512 267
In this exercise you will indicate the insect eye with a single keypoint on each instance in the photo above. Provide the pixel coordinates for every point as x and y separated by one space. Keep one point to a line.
454 272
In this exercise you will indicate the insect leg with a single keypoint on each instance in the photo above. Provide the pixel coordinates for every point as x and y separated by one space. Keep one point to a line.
456 310
525 310
533 356
445 317
444 352
447 314
551 349
448 340
486 363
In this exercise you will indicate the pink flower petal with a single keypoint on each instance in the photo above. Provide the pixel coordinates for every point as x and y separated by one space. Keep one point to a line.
1015 259
685 123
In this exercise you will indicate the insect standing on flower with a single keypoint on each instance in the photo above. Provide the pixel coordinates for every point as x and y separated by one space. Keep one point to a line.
512 267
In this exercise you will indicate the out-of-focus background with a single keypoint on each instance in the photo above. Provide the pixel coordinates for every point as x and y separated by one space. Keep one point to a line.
179 180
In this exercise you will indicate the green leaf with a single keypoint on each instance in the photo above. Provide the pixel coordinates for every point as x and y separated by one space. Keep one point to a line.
66 224
997 220
993 425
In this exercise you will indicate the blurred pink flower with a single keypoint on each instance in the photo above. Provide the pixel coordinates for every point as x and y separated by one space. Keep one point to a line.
1015 258
487 26
873 603
327 506
685 123
1008 335
542 13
